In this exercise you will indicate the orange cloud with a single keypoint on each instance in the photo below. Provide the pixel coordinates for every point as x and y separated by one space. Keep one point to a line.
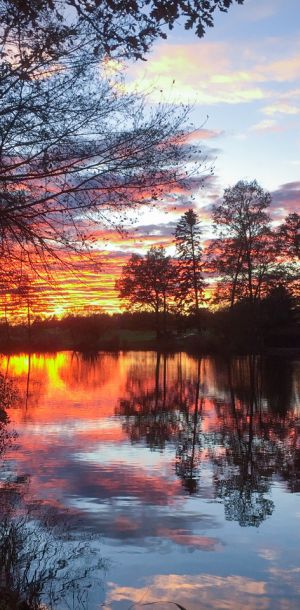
199 592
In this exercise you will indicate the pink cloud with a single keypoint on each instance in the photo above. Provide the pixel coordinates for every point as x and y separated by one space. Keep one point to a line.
182 537
286 199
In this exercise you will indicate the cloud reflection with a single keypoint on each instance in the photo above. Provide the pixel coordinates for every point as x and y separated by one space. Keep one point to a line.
199 592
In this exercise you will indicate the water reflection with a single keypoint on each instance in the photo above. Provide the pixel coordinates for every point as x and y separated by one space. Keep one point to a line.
43 559
246 428
243 472
171 457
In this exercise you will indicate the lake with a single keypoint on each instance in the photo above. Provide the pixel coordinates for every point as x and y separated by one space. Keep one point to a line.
166 479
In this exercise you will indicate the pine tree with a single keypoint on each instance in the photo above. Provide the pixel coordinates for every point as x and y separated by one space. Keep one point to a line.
189 253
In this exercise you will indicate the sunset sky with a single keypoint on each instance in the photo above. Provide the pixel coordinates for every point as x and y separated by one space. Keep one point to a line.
245 77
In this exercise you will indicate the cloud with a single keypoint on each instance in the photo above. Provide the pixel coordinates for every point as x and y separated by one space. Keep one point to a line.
201 73
269 554
198 135
267 125
185 538
281 108
285 103
282 70
286 199
209 73
198 592
160 230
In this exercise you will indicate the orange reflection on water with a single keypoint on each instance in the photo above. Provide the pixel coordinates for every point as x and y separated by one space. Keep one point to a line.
63 386
73 408
159 451
199 592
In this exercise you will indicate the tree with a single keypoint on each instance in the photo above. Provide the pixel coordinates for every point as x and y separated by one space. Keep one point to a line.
245 252
289 251
73 149
289 236
147 283
119 28
189 252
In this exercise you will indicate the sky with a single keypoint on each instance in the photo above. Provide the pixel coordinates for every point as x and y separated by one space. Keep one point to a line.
243 83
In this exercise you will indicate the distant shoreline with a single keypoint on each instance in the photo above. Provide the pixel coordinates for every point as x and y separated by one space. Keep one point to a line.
221 333
151 346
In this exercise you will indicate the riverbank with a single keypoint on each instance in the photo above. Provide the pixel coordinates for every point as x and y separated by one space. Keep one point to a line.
222 332
194 342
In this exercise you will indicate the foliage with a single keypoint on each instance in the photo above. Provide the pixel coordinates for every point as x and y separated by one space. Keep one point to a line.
244 253
116 28
72 149
289 235
147 283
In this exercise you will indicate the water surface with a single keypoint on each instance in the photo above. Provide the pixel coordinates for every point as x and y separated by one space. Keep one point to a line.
185 471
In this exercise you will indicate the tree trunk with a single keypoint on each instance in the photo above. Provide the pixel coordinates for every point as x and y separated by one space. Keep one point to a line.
196 291
236 275
28 323
165 315
157 324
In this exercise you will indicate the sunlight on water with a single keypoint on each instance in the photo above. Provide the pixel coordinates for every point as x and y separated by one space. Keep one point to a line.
184 471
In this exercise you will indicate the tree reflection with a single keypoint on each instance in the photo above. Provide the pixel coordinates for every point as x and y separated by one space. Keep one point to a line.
151 413
245 430
169 411
259 438
243 470
189 441
43 563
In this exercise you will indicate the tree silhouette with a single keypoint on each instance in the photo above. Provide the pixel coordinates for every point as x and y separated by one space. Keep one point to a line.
289 249
289 235
189 252
73 152
122 28
147 284
245 251
73 149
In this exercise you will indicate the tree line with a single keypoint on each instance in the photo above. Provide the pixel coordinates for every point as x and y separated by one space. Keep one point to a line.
246 262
